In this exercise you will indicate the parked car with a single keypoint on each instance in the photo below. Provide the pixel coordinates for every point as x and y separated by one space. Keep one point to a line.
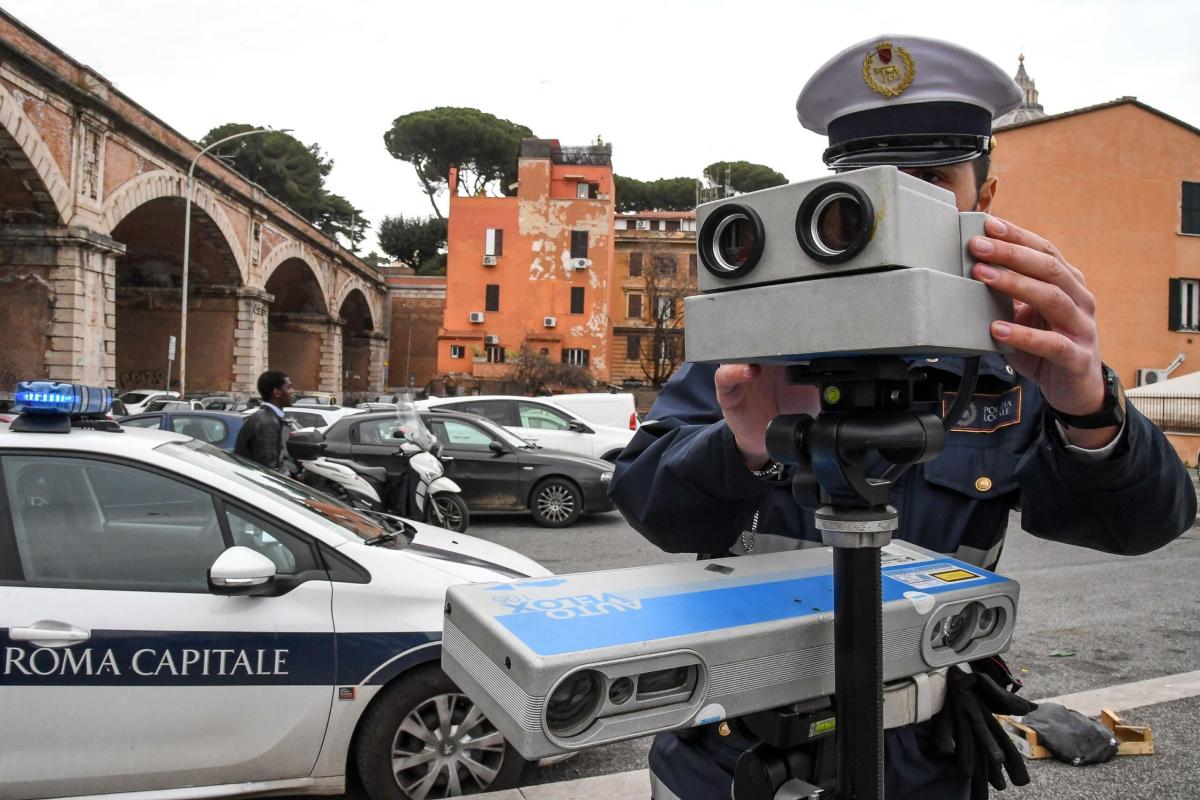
496 470
319 417
136 400
315 398
542 421
612 409
173 405
218 428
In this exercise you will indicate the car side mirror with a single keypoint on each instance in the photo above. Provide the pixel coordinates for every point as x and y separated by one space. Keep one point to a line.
496 447
240 570
578 426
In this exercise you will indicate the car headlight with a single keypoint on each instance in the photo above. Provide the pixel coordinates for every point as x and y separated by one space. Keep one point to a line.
605 477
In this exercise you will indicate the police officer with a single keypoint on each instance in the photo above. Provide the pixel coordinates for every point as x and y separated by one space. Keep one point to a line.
1048 429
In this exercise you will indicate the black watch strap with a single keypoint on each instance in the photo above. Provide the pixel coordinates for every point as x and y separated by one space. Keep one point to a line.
1113 412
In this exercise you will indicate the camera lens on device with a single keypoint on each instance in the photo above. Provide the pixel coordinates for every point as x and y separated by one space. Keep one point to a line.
731 241
835 223
573 704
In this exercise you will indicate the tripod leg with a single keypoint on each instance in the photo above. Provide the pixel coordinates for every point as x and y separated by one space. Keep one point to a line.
858 672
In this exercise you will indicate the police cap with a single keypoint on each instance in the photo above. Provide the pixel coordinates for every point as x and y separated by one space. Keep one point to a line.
905 100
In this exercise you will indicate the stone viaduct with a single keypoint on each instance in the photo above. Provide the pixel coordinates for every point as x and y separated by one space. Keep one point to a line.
92 191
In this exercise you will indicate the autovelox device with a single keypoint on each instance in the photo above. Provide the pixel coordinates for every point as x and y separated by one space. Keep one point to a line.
575 661
872 261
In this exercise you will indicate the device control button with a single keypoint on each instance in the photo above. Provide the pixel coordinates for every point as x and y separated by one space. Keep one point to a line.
983 483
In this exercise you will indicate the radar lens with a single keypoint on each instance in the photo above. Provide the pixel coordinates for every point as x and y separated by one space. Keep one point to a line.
573 704
734 241
662 681
838 222
620 691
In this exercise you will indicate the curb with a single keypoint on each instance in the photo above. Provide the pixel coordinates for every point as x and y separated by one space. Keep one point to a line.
617 786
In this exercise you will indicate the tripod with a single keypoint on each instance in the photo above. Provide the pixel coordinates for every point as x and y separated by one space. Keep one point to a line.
867 405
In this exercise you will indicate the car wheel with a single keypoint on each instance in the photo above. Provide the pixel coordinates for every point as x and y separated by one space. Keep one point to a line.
455 514
556 503
423 738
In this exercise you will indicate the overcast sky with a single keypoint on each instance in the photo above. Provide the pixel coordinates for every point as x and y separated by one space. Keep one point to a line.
672 85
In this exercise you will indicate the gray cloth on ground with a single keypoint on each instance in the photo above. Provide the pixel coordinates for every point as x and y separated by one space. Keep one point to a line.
1070 736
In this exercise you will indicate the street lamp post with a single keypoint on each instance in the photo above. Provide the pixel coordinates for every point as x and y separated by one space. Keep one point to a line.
187 241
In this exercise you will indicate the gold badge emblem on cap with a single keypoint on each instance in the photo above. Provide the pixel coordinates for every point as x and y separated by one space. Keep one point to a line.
889 69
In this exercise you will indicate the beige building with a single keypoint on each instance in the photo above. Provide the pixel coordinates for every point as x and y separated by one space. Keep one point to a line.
654 268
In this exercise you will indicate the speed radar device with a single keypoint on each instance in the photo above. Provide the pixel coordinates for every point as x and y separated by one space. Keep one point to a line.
872 261
573 661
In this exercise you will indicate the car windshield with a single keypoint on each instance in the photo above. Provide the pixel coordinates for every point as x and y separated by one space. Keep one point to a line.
330 513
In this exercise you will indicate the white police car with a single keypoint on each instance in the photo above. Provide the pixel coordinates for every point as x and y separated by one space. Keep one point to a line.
176 622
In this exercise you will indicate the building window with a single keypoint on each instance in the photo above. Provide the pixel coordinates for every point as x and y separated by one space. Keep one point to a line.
666 349
635 265
1190 217
457 351
493 242
545 351
495 354
576 356
579 244
688 225
672 225
664 265
576 299
633 347
664 308
491 298
691 265
587 191
619 225
1184 304
634 306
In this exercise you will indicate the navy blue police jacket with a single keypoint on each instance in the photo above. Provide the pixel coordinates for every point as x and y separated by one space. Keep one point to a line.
683 484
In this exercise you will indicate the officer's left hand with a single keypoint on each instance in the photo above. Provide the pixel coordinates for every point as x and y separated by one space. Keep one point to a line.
1054 322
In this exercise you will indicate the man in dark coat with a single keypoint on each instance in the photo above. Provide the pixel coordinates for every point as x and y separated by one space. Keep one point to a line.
263 437
1048 431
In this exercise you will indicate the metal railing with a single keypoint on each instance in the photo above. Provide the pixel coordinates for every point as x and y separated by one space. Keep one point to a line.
1173 414
591 156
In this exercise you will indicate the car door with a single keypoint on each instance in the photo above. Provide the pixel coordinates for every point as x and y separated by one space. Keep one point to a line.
122 670
553 429
487 470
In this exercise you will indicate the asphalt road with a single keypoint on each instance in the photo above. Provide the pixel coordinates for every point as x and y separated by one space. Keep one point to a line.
1087 620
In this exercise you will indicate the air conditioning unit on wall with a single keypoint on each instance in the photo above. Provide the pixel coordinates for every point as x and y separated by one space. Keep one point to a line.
549 322
491 338
1147 377
489 261
476 316
581 263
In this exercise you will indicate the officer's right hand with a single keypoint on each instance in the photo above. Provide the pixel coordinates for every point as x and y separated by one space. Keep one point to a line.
751 395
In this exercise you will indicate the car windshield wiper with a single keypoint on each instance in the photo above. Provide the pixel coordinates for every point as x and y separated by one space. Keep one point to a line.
396 527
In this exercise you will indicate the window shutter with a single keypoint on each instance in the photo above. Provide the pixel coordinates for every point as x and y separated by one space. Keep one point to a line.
635 265
691 265
576 299
633 347
499 242
579 244
635 306
492 297
1190 208
1175 305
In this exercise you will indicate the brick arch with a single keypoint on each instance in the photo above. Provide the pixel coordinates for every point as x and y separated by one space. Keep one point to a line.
162 183
288 251
36 157
352 286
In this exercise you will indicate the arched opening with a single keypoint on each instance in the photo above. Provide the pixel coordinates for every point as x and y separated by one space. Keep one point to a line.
149 287
26 290
356 343
297 323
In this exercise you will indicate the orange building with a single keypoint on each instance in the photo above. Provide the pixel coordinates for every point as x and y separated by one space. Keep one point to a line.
654 268
1116 187
533 269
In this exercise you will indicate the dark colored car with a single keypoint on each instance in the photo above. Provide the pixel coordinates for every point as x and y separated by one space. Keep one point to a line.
496 470
218 428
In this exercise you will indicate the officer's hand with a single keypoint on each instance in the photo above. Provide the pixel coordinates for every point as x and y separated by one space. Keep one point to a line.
1054 322
751 395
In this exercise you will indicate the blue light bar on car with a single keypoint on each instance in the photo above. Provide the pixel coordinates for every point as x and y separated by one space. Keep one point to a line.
50 397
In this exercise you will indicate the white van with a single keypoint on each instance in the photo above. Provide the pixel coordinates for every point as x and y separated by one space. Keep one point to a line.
616 410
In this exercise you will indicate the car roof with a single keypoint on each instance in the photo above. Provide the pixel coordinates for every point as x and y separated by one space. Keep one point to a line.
191 412
437 401
128 442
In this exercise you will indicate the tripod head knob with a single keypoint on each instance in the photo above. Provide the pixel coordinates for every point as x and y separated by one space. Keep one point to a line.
786 438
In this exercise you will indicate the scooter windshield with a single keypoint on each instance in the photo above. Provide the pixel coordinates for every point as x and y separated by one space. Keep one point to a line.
411 425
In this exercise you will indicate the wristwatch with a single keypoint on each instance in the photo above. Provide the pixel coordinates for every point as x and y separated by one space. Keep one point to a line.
1113 412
